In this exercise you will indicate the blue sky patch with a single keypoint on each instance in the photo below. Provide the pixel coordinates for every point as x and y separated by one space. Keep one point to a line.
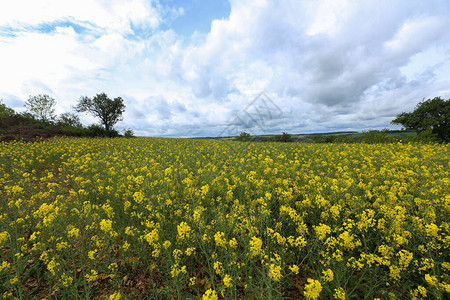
80 27
198 15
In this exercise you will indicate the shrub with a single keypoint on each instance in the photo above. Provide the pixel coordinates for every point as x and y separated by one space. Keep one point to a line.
128 133
284 137
94 130
324 139
375 136
427 136
243 137
5 111
69 119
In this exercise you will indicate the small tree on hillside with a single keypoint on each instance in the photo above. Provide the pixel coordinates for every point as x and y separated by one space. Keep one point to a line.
42 107
108 111
432 114
244 136
5 111
69 119
284 137
128 133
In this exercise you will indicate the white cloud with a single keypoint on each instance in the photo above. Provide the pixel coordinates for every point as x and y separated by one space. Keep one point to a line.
328 17
328 65
47 58
415 35
114 15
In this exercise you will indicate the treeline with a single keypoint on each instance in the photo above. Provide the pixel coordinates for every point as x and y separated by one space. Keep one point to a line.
429 123
368 137
40 121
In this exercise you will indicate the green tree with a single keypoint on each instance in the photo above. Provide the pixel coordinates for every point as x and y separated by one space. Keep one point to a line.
128 133
69 119
108 111
5 111
42 107
244 136
431 114
284 137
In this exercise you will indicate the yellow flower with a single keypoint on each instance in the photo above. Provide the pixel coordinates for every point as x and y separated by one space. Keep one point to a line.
394 272
138 197
106 225
322 230
432 280
348 240
177 254
275 272
204 190
167 244
227 281
422 291
294 269
74 232
189 251
312 289
125 246
218 267
92 276
129 230
210 295
339 293
327 275
192 280
176 270
432 230
405 258
4 266
113 267
13 280
445 287
233 243
66 280
152 237
62 245
126 205
183 231
220 240
3 237
52 265
335 210
115 296
33 236
255 246
91 254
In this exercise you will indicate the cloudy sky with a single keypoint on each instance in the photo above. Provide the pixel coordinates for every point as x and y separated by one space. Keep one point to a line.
196 68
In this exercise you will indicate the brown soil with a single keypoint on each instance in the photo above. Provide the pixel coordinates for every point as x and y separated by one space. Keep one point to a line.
17 127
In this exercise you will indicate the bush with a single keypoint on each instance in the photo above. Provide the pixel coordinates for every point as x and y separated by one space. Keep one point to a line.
284 138
69 119
113 133
324 139
375 136
427 136
95 130
73 131
243 137
128 133
5 111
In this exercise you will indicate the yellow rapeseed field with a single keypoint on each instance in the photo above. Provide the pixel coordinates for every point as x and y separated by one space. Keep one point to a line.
201 219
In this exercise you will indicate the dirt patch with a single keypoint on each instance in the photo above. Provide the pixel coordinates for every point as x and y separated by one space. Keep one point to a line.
28 134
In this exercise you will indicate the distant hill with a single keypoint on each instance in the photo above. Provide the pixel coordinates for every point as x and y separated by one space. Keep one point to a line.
329 137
